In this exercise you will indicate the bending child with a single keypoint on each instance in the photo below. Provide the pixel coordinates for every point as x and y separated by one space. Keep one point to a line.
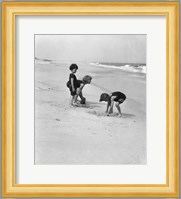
81 83
116 97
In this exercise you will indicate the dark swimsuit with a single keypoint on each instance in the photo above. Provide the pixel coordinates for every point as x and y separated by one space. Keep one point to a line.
79 82
120 97
76 83
72 76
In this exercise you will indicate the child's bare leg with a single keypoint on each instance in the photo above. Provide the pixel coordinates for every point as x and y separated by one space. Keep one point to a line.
75 101
111 110
75 98
110 107
80 95
72 100
77 94
118 107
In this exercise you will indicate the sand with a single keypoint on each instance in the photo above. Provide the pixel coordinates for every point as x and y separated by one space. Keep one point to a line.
85 135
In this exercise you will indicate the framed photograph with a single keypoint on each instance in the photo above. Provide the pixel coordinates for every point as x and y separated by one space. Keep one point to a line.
90 99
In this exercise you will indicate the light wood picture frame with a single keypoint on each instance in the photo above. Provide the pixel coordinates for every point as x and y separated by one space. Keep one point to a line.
9 12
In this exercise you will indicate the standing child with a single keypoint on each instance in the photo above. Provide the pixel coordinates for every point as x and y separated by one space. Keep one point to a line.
116 97
72 83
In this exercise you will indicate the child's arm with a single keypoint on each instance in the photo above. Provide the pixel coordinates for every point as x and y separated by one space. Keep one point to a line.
72 84
110 105
79 90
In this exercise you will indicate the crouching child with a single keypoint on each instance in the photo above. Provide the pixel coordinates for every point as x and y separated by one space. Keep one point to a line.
115 97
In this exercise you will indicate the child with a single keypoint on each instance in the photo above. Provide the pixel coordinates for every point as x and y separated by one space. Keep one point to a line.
81 83
116 97
76 86
72 83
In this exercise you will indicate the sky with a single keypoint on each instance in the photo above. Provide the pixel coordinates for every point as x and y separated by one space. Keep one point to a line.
92 48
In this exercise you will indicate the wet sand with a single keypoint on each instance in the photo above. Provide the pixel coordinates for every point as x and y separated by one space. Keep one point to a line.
85 135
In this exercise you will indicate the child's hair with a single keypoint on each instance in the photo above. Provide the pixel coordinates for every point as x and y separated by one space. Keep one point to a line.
86 79
73 66
104 97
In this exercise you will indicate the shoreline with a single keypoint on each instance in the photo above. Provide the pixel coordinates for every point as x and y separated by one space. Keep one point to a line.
129 67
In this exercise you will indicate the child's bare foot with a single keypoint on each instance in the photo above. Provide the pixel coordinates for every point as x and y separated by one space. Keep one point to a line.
75 104
120 115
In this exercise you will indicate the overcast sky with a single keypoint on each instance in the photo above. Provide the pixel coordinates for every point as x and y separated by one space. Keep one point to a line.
92 48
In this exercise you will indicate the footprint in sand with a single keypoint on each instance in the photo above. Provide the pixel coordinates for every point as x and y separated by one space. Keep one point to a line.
57 120
93 112
97 114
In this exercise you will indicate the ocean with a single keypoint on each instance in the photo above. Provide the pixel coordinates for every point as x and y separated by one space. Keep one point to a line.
132 67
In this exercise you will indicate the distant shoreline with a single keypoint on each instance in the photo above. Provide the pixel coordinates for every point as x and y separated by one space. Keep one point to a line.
131 67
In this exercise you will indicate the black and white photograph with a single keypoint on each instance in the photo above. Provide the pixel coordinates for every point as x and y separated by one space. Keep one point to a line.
90 99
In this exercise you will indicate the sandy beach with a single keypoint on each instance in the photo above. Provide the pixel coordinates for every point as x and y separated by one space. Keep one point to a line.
85 135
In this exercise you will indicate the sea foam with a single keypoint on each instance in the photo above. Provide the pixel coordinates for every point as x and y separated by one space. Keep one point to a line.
137 68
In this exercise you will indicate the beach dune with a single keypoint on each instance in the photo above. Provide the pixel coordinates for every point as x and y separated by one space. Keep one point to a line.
85 135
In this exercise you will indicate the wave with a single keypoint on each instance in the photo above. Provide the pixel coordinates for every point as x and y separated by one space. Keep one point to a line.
137 68
46 61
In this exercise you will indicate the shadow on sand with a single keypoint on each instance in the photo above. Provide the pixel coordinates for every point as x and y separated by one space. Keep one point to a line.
90 105
128 115
124 115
